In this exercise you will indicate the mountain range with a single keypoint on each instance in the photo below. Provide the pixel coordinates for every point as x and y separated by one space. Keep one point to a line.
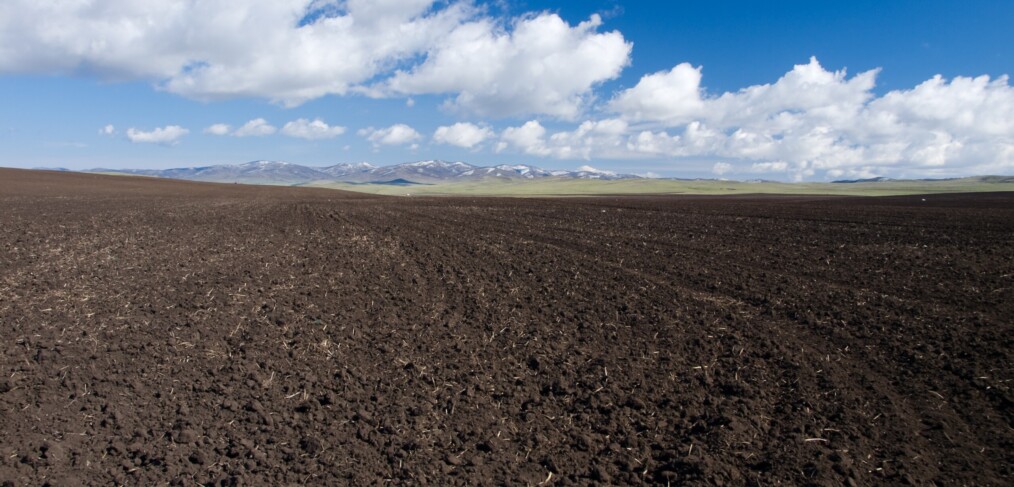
422 172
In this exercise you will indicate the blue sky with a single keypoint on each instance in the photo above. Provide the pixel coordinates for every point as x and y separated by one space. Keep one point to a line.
786 90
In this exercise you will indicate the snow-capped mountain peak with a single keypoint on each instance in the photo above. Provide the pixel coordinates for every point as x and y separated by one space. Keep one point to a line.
436 163
430 171
592 170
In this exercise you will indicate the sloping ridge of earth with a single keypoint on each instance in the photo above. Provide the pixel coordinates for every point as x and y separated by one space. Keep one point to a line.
173 332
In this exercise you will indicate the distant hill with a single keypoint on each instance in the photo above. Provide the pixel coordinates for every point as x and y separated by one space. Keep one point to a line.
983 179
434 171
257 172
867 180
436 177
997 179
395 182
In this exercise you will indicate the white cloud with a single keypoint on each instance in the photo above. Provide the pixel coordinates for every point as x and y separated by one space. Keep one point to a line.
465 135
809 123
653 144
312 130
215 50
528 138
107 130
592 139
218 129
672 96
853 173
257 127
398 134
676 98
721 168
769 166
544 65
168 135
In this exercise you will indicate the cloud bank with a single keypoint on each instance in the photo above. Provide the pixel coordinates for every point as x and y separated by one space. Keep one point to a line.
810 122
292 51
541 66
302 128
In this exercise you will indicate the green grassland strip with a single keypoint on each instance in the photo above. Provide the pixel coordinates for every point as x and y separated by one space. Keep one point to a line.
585 187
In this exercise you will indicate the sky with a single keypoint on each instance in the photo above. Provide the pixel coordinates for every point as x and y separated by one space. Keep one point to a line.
779 90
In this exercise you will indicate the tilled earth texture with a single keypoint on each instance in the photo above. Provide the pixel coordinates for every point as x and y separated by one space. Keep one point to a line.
159 332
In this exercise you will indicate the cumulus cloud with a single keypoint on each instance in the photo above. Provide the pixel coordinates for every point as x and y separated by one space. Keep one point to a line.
814 121
465 135
528 138
811 122
721 168
213 50
167 135
218 129
544 65
769 166
257 127
397 134
537 63
107 130
312 130
592 139
677 98
671 96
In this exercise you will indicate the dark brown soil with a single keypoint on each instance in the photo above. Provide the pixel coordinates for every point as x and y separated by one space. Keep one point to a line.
166 332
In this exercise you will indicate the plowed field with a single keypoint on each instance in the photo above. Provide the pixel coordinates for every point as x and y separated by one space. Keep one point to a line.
161 332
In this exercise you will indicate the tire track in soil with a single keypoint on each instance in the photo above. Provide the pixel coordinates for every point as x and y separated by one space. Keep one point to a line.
807 345
884 388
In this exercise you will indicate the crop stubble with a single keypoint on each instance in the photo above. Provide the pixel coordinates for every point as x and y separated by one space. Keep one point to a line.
160 331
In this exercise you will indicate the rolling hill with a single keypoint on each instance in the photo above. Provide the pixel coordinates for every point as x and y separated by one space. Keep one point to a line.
430 172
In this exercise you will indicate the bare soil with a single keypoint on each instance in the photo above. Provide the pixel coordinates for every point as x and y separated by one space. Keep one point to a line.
163 332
